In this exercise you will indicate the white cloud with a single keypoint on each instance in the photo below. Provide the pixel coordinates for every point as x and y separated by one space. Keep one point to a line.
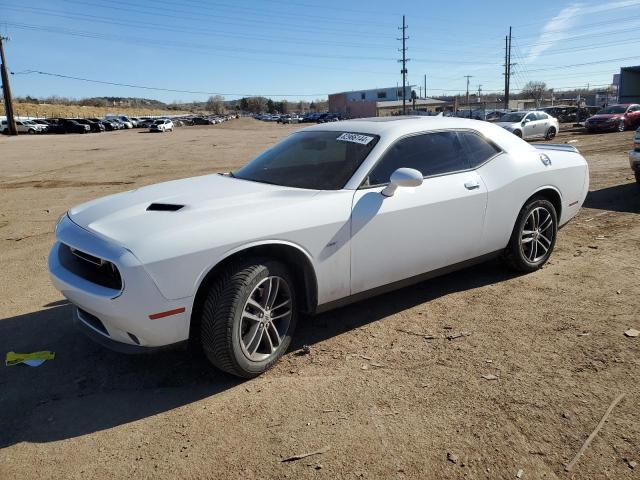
554 30
559 27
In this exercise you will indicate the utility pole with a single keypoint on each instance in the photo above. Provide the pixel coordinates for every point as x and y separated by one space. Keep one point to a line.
6 90
468 105
479 91
507 68
404 61
425 85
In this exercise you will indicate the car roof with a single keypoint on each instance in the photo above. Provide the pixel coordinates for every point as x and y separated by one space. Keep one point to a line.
390 128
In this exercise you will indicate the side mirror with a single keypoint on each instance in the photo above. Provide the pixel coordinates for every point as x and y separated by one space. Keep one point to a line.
403 177
525 121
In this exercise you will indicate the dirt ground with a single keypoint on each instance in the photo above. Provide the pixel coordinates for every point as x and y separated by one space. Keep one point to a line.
385 401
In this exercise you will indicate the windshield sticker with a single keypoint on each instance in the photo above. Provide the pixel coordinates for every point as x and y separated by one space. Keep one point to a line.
355 138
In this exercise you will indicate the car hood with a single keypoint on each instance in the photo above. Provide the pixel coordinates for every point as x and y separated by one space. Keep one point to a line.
125 218
508 124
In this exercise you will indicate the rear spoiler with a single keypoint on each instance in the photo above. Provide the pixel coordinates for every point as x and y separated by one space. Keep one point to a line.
563 147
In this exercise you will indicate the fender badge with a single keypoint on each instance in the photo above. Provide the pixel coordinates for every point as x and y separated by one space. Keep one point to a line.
546 161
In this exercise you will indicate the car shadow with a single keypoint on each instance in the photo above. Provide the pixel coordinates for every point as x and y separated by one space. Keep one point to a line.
87 388
315 329
620 198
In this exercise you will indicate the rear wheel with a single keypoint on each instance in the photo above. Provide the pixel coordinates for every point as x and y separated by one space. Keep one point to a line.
551 133
248 317
533 236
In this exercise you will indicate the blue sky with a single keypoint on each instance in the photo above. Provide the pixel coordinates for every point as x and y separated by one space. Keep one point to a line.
308 48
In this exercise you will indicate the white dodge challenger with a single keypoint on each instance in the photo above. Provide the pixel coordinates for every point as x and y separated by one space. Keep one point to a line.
330 215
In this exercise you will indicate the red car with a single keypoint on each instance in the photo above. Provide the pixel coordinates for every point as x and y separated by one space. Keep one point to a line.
614 117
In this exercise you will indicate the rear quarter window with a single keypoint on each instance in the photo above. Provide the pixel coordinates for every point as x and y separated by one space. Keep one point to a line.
477 148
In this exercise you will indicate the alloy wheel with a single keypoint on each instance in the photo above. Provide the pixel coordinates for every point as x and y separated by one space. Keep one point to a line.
265 318
537 234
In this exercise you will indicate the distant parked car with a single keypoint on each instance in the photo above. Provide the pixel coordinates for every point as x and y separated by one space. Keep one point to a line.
162 125
124 120
634 156
96 127
108 126
30 123
494 115
529 125
146 122
201 121
44 123
72 126
20 126
614 118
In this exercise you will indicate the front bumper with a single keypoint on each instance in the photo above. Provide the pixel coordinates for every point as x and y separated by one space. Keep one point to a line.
602 127
123 315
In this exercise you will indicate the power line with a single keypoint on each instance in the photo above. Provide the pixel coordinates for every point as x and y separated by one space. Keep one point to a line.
173 90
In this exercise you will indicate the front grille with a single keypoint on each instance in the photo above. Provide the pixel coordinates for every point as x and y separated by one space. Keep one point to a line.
91 268
92 320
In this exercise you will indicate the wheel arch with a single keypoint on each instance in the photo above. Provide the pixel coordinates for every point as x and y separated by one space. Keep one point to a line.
293 256
550 193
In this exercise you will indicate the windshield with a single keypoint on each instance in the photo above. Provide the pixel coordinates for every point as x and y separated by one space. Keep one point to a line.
313 160
512 117
613 109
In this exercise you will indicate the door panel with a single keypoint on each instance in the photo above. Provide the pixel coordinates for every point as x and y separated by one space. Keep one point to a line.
529 129
416 230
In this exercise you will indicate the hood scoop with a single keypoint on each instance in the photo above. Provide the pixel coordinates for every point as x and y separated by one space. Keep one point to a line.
164 207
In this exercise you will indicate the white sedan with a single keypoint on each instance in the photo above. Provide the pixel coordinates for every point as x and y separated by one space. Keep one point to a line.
330 215
529 125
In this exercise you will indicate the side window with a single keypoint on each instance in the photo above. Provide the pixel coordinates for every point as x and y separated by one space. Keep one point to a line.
431 154
478 150
541 116
531 117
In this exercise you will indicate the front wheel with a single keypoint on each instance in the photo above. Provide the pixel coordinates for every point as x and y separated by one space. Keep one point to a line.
518 133
248 317
533 236
638 178
621 126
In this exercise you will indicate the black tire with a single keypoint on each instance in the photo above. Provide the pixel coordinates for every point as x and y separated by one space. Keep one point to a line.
31 131
519 255
621 126
223 312
551 133
518 133
637 178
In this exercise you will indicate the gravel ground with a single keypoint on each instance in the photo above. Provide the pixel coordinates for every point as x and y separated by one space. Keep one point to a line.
385 401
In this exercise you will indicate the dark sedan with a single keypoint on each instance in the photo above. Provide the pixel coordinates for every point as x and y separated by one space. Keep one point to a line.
63 125
96 127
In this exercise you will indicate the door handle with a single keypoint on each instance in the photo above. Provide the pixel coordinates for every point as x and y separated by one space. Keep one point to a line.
471 185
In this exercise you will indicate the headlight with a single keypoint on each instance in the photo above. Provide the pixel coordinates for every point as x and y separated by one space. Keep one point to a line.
55 230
